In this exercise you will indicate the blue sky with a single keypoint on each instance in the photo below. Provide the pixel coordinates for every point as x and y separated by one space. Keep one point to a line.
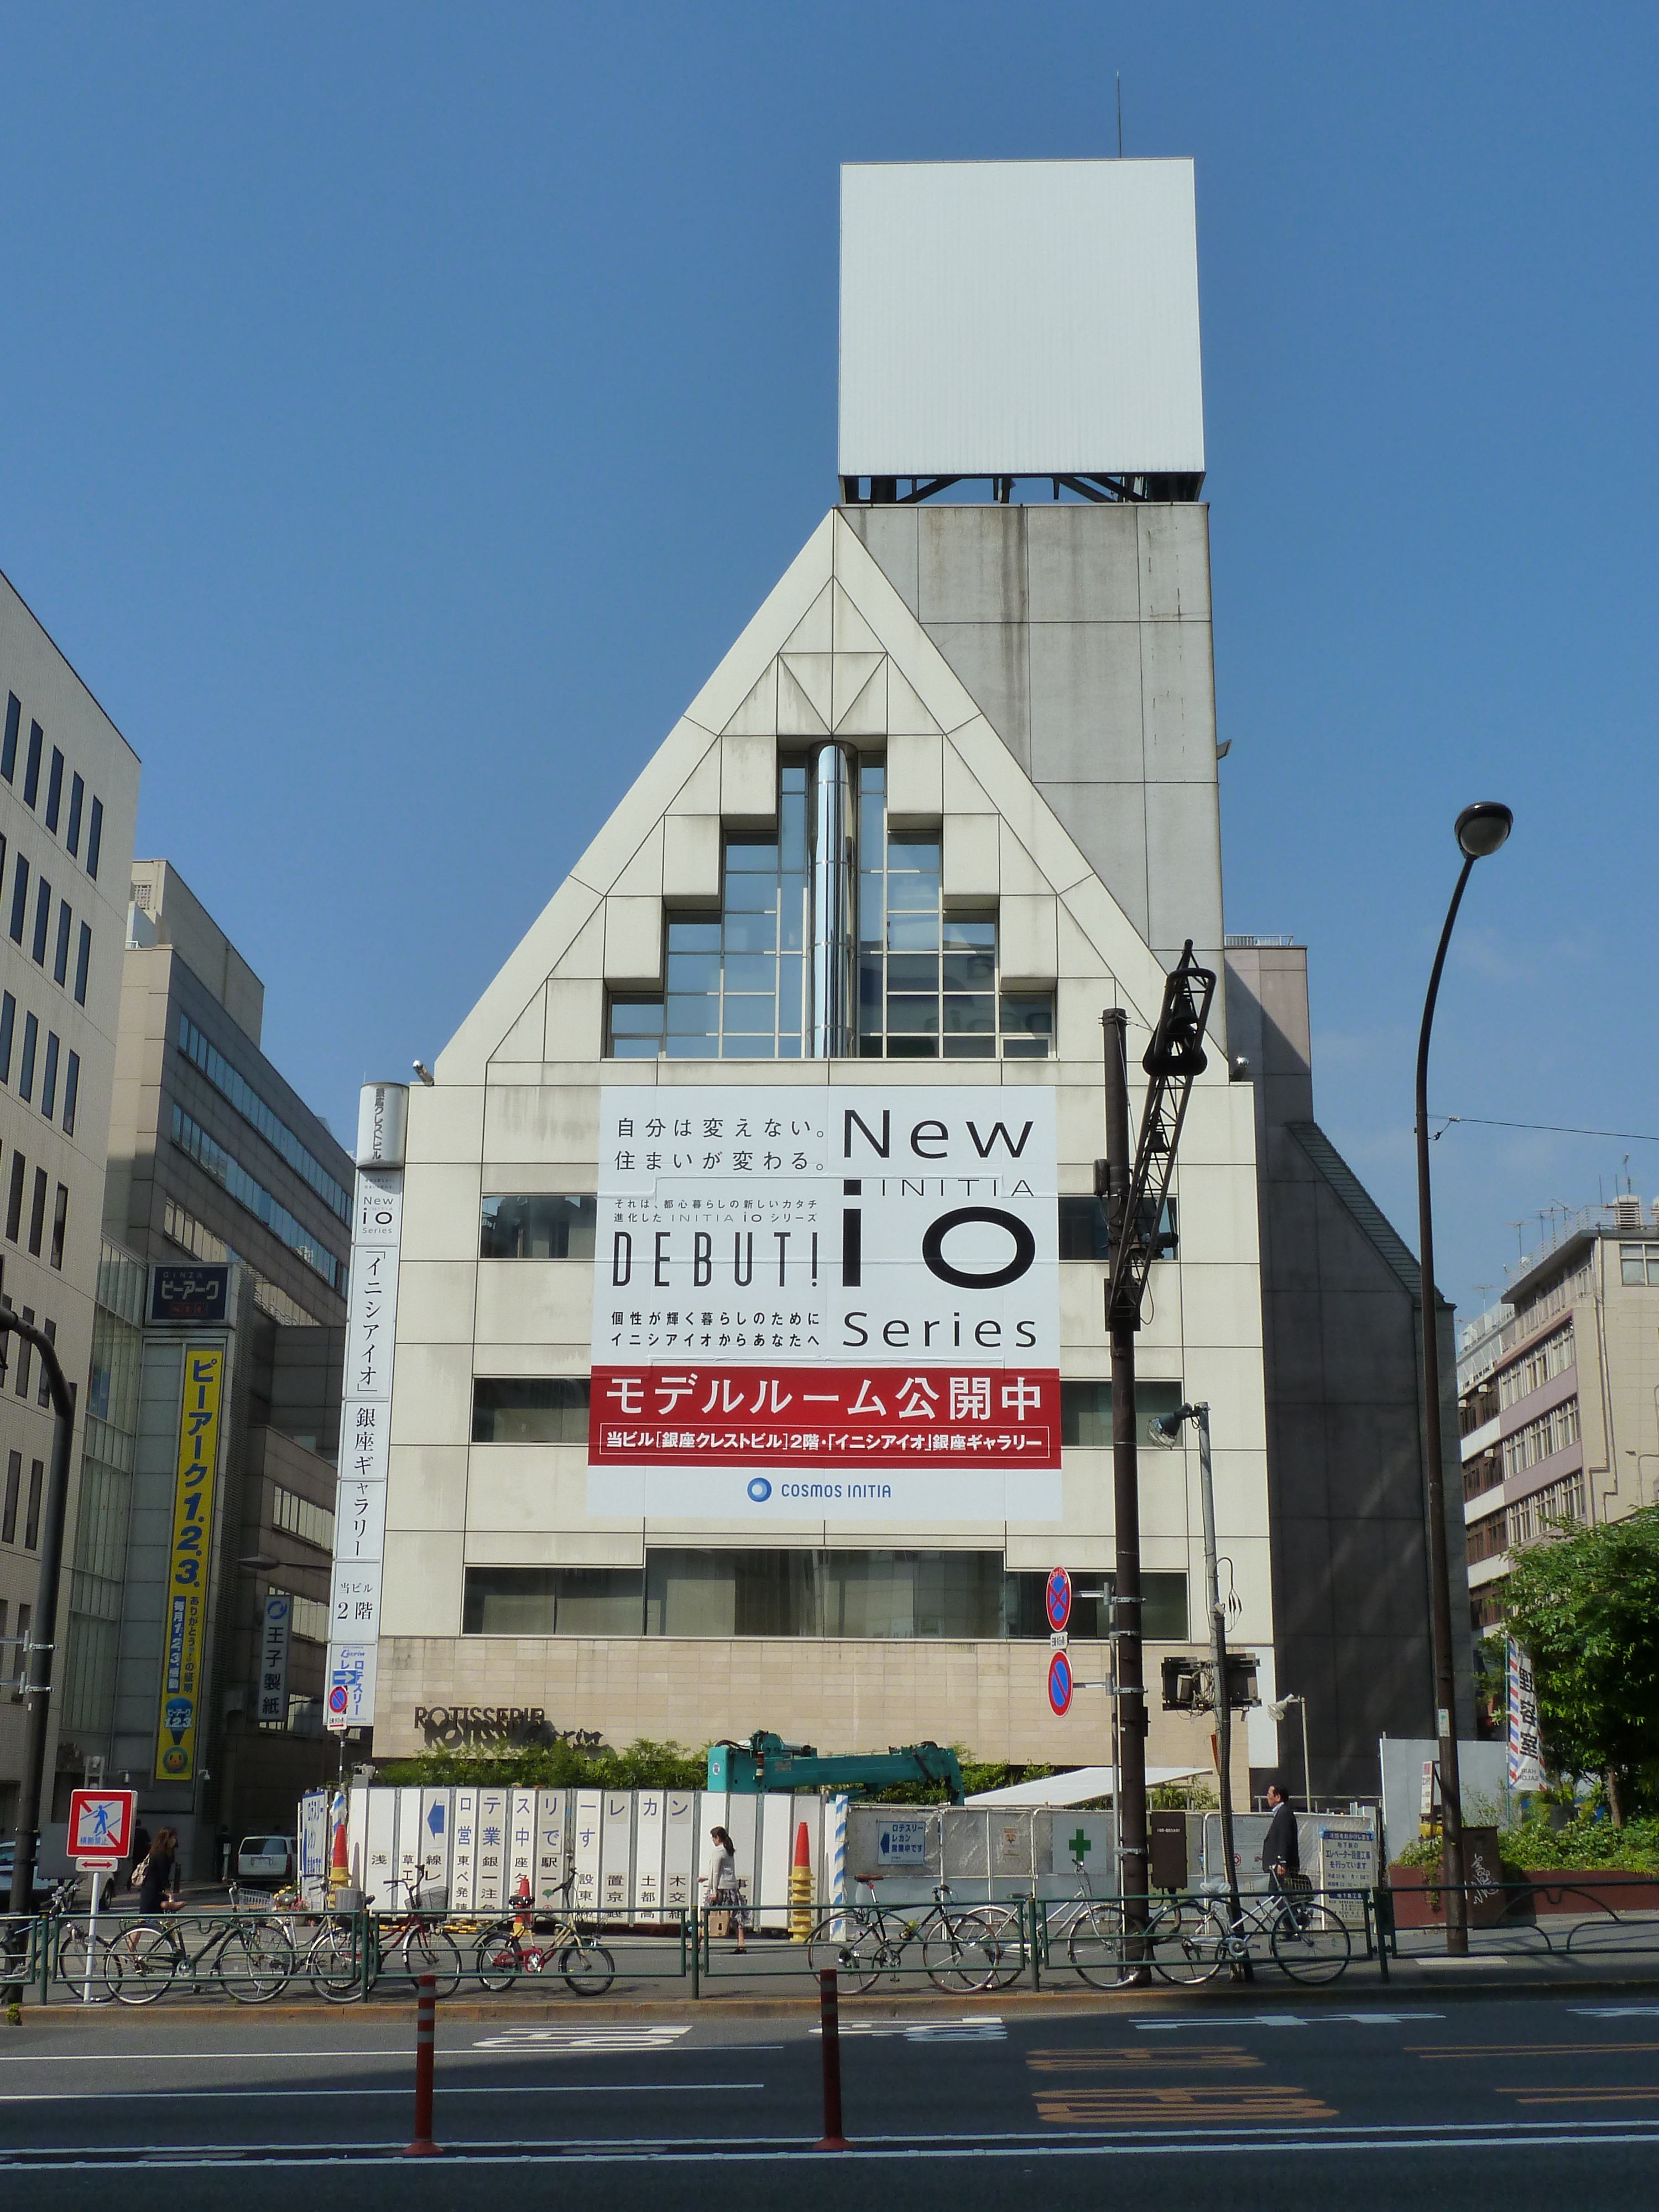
404 407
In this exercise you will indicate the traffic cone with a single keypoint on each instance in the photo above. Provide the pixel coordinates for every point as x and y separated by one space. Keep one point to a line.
339 1873
800 1889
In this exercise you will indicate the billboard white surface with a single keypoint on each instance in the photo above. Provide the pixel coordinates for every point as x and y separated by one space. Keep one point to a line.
1026 317
831 1304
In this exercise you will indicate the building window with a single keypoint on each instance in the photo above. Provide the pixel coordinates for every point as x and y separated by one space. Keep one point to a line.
299 1516
231 1084
8 1025
1085 1411
537 1226
309 1617
531 1409
735 985
94 838
231 1175
20 899
59 1225
1638 1264
54 790
32 773
1549 1433
8 749
82 962
32 1525
49 1077
60 957
1542 1364
14 1484
552 1601
1532 1517
72 1093
25 1357
1482 1473
1486 1539
38 1213
77 793
25 1067
14 1197
1083 1230
42 920
192 1236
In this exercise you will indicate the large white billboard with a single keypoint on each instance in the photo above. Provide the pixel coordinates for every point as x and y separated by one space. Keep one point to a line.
826 1304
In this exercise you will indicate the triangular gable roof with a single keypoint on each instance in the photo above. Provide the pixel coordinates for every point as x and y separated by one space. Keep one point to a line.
833 649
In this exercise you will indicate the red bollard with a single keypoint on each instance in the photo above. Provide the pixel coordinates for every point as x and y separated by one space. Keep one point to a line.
829 2025
426 2007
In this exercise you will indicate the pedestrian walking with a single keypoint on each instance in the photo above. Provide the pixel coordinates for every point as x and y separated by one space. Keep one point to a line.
156 1877
1282 1854
140 1840
724 1893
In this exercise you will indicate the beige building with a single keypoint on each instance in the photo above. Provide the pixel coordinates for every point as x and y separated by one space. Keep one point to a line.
1558 1393
69 795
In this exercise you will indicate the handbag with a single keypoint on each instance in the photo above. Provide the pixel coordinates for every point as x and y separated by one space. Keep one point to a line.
135 1879
719 1921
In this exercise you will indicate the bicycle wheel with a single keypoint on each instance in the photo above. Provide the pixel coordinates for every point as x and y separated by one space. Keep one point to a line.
960 1954
426 1950
1311 1943
331 1964
1188 1945
1008 1940
257 1962
105 1977
152 1960
1099 1949
851 1945
497 1961
588 1968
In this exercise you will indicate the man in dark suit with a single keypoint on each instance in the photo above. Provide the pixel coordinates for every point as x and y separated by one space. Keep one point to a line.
1281 1853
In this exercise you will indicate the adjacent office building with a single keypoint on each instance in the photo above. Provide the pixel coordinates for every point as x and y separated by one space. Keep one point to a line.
740 1284
198 1614
1557 1387
68 794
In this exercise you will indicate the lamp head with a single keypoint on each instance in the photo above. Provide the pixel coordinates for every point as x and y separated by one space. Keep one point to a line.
1482 828
1166 1428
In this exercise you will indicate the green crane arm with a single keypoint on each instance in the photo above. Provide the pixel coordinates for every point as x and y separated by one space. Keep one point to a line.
766 1763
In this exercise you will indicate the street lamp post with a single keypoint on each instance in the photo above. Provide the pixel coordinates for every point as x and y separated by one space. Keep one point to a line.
1481 829
43 1637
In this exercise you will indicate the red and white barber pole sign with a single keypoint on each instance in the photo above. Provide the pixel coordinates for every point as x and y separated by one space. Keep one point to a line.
826 1303
100 1823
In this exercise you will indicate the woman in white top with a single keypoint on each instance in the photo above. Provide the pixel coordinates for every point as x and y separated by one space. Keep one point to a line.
724 1895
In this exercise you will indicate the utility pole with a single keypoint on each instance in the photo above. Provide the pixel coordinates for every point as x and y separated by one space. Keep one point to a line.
43 1637
1132 1719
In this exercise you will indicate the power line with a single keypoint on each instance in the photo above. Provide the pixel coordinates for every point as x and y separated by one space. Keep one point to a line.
1550 1128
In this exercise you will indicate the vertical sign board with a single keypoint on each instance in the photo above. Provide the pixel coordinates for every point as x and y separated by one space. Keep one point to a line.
437 1822
463 1849
842 1304
365 1408
647 1855
273 1659
491 1863
679 1851
411 1837
521 1844
617 1858
1526 1762
585 1889
552 1829
185 1648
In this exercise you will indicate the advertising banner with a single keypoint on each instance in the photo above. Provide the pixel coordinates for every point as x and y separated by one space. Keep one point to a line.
823 1304
365 1426
273 1657
196 1472
1526 1764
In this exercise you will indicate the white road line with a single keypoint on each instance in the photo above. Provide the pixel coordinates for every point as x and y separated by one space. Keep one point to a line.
972 2027
393 2089
584 2039
1230 2021
1615 2012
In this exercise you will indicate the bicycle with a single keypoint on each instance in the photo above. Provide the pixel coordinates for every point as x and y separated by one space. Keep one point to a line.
511 1948
252 1957
1308 1941
335 1964
67 1944
960 1950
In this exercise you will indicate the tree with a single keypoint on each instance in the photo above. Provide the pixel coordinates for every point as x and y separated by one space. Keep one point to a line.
1585 1605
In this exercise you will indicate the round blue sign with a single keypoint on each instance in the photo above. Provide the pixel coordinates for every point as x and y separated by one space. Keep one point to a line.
1060 1683
1057 1597
760 1489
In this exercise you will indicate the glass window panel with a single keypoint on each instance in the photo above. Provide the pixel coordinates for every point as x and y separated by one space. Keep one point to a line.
966 1016
694 936
791 974
1630 1268
970 1047
693 971
872 908
539 1225
751 933
750 971
913 971
791 822
746 1047
910 852
751 855
534 1409
1025 1047
751 894
682 1047
750 1015
912 894
635 1018
1082 1228
1653 1263
912 1017
913 933
1028 1017
693 1016
1086 1411
789 1048
968 971
792 914
552 1601
870 991
970 932
913 1048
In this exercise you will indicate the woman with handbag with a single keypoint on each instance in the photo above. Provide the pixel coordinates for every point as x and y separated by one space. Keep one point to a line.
724 1895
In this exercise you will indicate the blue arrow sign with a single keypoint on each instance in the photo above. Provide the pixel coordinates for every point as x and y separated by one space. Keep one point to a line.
435 1819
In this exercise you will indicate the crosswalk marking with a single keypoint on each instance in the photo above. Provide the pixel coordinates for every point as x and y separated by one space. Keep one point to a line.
1135 2058
972 2027
1144 2104
1284 2020
584 2039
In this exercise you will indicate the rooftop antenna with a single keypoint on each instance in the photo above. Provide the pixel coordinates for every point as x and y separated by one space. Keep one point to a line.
1520 1246
1120 115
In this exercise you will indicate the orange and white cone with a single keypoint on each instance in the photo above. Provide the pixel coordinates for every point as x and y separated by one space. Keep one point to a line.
800 1889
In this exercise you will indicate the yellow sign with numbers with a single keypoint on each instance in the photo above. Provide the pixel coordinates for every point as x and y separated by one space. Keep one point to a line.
187 1565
